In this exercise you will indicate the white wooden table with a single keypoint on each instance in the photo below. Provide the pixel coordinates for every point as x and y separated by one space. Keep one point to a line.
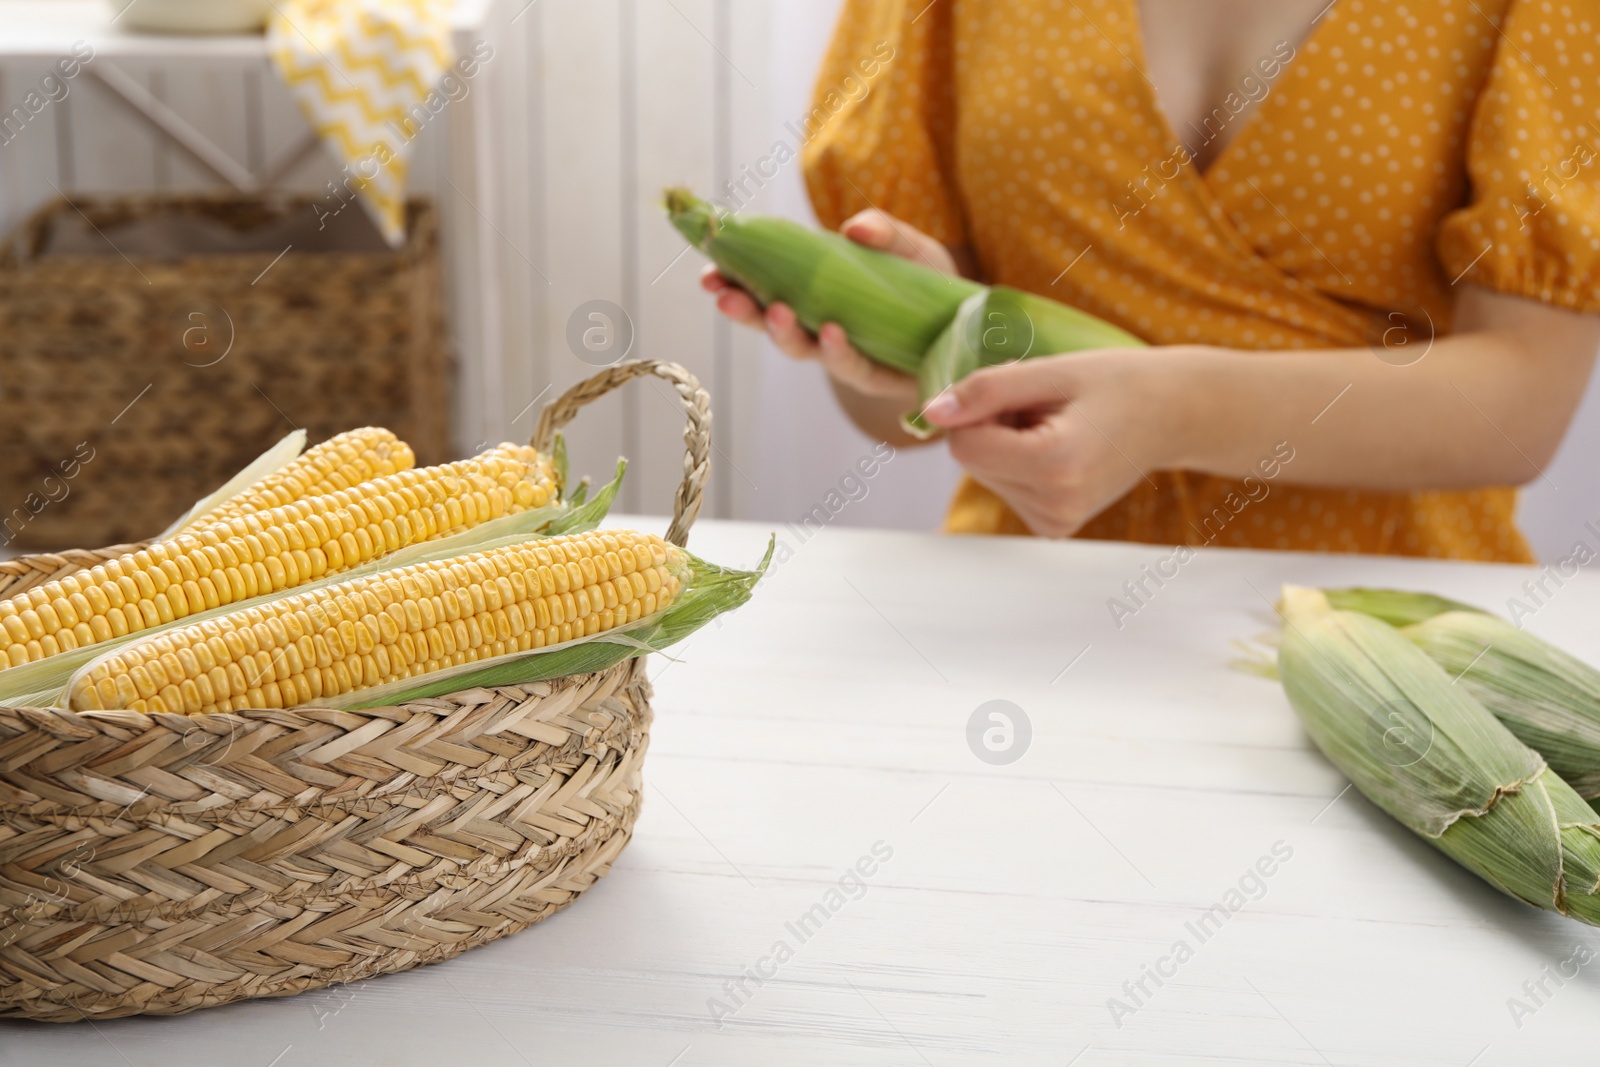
830 715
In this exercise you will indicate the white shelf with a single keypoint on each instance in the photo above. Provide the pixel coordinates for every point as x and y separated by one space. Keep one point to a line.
45 29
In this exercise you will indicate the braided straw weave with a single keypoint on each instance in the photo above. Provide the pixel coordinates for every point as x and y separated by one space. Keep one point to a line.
215 338
23 573
154 864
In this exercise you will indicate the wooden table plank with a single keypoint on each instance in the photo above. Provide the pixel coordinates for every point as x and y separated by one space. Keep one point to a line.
830 716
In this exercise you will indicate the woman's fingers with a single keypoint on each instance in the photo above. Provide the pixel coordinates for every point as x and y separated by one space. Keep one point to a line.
787 333
850 368
740 307
732 301
839 358
711 279
1034 471
882 231
778 320
998 450
997 391
874 229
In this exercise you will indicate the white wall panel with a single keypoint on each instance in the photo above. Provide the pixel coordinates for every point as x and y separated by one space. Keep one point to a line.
512 80
749 121
1564 510
213 101
282 125
32 159
581 94
807 445
107 145
676 76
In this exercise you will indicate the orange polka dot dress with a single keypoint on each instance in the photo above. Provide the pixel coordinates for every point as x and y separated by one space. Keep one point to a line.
1400 148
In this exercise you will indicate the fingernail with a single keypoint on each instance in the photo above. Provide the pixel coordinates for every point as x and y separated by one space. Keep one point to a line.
942 408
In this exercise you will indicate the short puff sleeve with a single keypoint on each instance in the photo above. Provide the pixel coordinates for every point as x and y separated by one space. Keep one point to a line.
882 121
1532 228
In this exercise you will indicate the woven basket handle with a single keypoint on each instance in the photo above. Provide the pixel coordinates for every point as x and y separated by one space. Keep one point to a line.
696 435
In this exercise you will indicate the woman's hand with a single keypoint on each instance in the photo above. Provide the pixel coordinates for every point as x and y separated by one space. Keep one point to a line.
1061 438
850 371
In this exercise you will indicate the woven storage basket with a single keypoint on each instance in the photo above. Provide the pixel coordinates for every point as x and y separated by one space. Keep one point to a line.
131 385
160 863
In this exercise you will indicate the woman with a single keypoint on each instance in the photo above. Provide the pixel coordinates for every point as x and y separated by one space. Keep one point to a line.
1363 237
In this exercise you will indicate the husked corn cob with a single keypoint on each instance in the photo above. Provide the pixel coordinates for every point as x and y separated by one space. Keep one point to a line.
342 461
270 551
392 625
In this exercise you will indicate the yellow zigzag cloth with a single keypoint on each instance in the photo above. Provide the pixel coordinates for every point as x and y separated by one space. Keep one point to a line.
358 69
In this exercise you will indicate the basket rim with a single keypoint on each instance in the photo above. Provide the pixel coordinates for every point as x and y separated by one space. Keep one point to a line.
84 725
20 246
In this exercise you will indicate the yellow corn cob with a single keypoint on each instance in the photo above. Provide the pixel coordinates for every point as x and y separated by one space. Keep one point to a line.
269 551
392 625
340 462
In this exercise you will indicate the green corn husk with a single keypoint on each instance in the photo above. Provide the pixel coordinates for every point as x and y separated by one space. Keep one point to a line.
1548 698
1394 606
901 313
891 308
1435 759
274 459
1002 325
709 591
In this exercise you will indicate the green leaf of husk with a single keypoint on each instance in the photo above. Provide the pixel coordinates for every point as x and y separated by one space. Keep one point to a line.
899 312
1387 716
1000 325
891 308
273 459
44 683
952 356
710 591
558 459
1435 759
1549 699
1394 606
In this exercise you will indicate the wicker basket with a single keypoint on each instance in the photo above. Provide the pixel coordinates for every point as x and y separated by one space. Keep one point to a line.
131 385
154 864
